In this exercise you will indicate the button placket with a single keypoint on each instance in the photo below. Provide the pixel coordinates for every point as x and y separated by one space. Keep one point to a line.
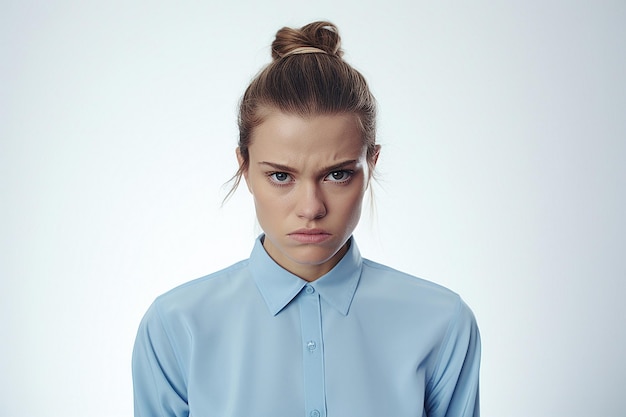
313 352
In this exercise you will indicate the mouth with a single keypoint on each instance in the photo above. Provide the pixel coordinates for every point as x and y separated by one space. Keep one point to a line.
309 235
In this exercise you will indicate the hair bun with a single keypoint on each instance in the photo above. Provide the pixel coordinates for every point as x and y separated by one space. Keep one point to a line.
323 36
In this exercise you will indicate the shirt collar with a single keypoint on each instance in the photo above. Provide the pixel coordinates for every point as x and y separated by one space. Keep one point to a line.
279 286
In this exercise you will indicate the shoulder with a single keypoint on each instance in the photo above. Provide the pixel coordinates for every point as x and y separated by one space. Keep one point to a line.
194 308
209 290
410 293
379 274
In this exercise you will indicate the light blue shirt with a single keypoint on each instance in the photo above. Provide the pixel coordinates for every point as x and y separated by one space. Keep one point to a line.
255 340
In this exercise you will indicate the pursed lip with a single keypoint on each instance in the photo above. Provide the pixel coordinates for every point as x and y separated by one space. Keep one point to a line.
309 232
309 235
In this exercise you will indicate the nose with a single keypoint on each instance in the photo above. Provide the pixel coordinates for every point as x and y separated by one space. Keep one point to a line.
310 203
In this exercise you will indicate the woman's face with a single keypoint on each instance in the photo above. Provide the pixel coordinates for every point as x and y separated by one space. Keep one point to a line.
307 177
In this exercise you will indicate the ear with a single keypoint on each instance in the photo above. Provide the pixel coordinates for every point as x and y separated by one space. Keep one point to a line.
372 163
375 157
242 166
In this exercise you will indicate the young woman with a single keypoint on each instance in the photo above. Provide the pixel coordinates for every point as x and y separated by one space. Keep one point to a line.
306 326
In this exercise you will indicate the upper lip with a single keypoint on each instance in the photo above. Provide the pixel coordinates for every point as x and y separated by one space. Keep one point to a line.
309 232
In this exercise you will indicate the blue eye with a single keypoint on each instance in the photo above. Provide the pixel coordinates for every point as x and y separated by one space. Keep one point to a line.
280 177
339 176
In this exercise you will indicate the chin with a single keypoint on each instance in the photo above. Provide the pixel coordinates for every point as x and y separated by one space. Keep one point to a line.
314 254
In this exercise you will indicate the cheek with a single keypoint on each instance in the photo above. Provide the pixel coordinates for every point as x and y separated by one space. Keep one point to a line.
261 203
356 209
267 204
350 205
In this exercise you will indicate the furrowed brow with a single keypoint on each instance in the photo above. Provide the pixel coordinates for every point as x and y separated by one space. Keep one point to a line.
335 167
340 165
278 167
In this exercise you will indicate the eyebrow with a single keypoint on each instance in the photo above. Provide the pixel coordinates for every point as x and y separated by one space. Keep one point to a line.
330 168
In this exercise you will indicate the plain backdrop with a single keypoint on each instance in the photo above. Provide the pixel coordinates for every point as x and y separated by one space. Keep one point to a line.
502 177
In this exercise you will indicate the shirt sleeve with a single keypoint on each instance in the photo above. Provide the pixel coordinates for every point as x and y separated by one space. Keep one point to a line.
452 390
158 380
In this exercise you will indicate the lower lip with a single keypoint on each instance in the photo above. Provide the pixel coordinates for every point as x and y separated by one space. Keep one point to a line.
309 238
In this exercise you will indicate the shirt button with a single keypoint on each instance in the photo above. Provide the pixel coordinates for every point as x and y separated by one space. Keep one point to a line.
311 345
314 413
309 289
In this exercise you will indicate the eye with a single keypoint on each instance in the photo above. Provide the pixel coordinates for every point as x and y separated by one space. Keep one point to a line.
279 177
339 176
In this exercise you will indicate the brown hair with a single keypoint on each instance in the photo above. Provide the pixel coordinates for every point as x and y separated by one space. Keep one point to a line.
306 77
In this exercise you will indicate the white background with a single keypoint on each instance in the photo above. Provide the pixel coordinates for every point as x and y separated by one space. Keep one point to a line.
503 127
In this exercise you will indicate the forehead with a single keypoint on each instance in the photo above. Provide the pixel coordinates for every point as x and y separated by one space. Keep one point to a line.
293 138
